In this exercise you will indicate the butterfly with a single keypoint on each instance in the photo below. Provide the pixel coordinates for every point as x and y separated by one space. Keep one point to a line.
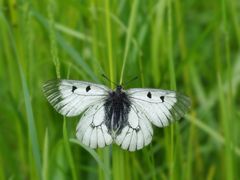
121 116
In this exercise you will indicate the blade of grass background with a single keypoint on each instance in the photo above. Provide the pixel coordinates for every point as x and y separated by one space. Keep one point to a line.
226 103
156 36
2 174
32 133
109 41
68 48
54 49
94 155
170 47
183 50
171 146
73 33
213 97
131 26
45 157
225 119
68 151
8 93
235 18
96 41
121 25
212 133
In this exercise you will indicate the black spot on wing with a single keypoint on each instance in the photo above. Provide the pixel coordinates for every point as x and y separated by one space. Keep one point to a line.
149 95
162 98
74 88
88 88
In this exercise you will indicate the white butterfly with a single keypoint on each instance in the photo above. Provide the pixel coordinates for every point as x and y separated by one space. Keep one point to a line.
122 116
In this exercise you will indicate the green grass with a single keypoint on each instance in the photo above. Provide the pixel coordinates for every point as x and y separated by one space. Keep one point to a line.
191 47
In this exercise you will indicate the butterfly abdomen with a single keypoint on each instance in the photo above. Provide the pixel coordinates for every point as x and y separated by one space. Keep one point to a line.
117 107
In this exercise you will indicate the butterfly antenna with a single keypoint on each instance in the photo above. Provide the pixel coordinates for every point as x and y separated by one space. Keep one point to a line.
105 77
131 80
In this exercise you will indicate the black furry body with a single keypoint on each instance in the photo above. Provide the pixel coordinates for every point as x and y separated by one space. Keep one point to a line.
117 107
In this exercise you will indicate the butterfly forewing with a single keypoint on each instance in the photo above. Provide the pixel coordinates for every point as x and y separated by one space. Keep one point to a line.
71 98
161 107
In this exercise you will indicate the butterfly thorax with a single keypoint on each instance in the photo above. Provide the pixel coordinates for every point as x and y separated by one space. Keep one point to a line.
117 107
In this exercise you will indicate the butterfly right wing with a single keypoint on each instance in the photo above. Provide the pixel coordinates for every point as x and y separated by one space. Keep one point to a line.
156 106
91 129
71 98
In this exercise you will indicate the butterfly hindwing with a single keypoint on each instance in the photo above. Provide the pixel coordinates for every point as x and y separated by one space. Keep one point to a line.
70 97
91 129
161 107
137 133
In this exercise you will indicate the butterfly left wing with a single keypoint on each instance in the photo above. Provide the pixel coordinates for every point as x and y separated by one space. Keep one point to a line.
161 107
71 97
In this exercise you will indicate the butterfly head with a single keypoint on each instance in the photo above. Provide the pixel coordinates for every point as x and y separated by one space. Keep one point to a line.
119 88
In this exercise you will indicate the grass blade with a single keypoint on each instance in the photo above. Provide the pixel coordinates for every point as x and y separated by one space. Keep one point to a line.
32 132
131 25
68 151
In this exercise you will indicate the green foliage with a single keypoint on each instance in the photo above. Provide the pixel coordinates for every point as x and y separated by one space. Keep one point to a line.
193 47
